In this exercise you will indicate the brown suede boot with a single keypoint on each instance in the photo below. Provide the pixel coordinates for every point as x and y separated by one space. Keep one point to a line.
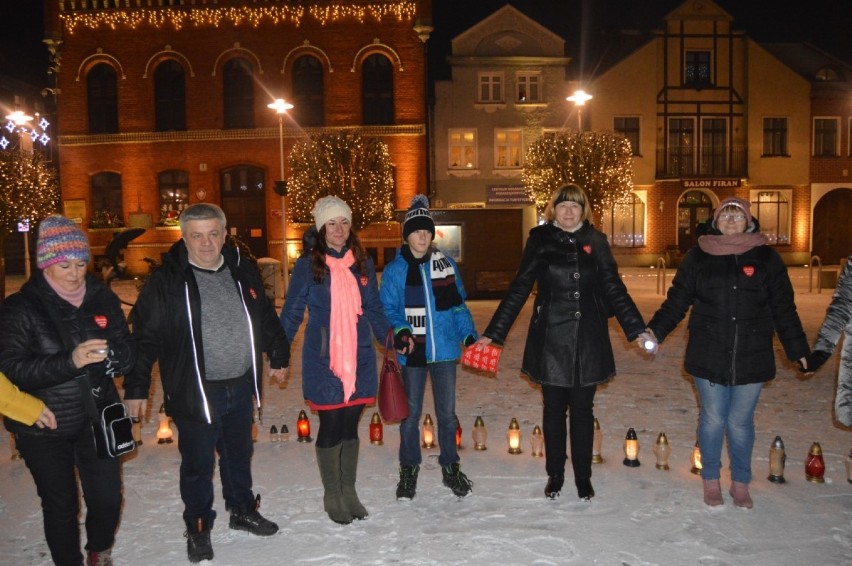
712 493
739 491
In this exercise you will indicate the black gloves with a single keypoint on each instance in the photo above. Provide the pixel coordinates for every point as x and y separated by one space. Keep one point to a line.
469 340
815 360
401 338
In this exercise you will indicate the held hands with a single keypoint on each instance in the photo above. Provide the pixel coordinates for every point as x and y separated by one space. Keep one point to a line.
813 361
279 375
647 341
46 419
90 352
482 342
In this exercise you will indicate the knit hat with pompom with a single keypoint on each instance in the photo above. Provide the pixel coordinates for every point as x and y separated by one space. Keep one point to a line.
418 217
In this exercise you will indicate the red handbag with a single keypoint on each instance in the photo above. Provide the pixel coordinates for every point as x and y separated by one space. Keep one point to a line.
393 402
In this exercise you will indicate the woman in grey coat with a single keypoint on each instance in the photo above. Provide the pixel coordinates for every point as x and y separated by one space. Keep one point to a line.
838 320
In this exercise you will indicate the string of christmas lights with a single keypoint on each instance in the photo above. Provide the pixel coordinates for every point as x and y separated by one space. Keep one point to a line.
28 189
180 17
346 165
600 162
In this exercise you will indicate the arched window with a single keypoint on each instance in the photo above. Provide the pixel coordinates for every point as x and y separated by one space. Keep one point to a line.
377 90
106 200
308 91
169 97
102 99
174 195
624 223
238 85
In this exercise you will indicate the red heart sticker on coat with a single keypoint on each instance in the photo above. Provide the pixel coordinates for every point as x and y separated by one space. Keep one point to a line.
748 270
588 249
101 321
252 293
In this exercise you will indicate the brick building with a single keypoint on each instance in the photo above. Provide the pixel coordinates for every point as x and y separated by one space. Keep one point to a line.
163 103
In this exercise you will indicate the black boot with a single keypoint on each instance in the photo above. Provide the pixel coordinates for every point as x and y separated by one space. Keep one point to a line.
252 521
407 486
198 546
455 479
554 486
348 474
328 460
585 491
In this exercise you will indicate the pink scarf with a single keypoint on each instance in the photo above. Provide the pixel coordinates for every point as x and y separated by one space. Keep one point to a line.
345 310
731 244
73 297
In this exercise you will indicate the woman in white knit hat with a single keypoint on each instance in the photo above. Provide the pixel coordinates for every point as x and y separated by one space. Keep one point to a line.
336 282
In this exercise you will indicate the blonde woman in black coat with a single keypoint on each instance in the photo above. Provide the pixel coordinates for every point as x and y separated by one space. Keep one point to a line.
568 351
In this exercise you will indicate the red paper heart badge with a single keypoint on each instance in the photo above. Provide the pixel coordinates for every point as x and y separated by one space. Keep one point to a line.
748 270
588 249
101 321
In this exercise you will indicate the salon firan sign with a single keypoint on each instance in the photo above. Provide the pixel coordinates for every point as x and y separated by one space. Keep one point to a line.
711 183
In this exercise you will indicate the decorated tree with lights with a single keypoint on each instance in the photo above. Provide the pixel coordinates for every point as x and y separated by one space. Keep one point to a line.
354 168
28 190
600 162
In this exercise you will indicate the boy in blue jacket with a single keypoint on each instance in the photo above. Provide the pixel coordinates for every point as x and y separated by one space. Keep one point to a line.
424 299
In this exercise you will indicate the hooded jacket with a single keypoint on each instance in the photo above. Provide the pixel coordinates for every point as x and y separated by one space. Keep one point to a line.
321 388
837 323
738 302
34 357
578 289
167 326
445 329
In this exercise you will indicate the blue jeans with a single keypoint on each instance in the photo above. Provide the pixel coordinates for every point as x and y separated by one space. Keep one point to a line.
444 393
726 410
52 460
230 436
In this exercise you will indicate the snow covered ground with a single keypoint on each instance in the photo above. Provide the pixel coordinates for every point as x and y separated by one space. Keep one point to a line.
640 516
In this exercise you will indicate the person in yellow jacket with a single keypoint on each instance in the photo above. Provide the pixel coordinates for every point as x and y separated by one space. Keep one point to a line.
22 407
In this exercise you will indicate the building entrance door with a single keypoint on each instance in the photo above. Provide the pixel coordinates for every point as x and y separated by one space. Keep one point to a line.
832 229
244 202
694 208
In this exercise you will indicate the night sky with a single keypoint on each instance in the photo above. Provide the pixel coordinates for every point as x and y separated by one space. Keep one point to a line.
585 24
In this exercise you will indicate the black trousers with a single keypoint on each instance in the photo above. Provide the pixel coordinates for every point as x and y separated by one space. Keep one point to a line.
51 460
337 425
576 404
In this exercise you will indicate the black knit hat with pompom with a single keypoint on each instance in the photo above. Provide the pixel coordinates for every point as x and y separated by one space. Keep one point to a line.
418 217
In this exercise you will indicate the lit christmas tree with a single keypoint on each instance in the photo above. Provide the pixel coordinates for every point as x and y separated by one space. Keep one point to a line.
28 191
346 165
600 162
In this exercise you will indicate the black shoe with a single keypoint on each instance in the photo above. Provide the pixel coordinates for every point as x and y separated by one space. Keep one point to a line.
407 486
455 479
252 521
584 489
198 546
554 486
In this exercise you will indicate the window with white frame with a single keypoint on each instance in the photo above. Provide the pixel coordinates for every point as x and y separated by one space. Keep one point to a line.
628 127
462 145
775 137
624 222
825 137
490 87
772 210
528 87
508 149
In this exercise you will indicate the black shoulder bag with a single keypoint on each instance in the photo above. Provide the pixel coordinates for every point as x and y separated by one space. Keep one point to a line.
112 428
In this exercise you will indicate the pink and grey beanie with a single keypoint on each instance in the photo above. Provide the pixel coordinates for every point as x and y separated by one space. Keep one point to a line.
735 203
59 239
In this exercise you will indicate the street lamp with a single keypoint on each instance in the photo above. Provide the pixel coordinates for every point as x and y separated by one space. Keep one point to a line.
281 107
20 121
579 98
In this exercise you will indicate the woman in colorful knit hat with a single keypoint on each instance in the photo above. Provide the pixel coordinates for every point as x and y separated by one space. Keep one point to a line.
60 326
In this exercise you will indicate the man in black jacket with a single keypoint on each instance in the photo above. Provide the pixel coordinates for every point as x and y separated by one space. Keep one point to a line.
204 314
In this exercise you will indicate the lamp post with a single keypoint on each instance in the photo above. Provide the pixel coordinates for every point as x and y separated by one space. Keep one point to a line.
281 107
579 98
20 121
